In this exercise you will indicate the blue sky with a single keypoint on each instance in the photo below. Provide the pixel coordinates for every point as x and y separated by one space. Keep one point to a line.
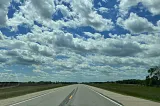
78 40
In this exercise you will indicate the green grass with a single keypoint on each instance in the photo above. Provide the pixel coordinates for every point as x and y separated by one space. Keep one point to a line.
150 93
22 90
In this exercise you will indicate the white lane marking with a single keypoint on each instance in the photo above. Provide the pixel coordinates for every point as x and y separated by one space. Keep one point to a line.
106 97
31 98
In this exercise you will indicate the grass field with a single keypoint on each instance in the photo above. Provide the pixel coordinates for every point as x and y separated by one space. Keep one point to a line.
150 93
22 90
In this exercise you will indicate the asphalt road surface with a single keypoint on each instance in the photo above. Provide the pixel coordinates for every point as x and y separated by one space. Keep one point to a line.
74 95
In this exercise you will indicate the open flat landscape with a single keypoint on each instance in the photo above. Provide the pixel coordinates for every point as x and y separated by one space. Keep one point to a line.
76 95
79 52
9 92
150 93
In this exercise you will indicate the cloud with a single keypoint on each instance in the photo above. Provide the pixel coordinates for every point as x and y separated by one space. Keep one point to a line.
4 4
95 35
41 49
64 10
81 13
151 5
122 48
23 16
126 4
59 39
158 23
42 12
2 37
26 58
103 10
149 43
88 17
153 51
2 59
99 3
12 44
63 39
44 8
27 53
8 70
104 1
40 72
77 45
136 24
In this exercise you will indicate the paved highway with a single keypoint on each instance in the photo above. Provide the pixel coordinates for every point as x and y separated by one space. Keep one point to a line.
73 95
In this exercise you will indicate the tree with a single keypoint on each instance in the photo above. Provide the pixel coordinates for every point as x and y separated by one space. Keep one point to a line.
154 76
154 72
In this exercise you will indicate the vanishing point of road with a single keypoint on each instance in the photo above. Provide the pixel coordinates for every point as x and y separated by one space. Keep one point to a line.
73 95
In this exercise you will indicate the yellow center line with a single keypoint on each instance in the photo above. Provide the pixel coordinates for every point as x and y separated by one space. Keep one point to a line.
70 97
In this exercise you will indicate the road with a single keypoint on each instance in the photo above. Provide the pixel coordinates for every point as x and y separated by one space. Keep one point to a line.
73 95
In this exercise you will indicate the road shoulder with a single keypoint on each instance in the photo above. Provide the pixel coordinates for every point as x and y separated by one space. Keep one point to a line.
124 99
9 101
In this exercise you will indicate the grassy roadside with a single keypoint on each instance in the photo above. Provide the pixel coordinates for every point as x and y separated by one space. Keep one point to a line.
150 93
22 90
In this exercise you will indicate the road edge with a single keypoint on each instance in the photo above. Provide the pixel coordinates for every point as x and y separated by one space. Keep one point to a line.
105 96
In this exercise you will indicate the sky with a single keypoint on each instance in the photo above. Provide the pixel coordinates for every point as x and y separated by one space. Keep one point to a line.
78 40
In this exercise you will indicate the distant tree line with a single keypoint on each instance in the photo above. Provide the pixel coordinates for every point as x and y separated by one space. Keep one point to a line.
132 81
153 79
128 81
32 83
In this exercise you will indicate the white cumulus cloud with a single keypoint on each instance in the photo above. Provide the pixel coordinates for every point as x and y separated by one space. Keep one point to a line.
4 4
151 5
136 24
